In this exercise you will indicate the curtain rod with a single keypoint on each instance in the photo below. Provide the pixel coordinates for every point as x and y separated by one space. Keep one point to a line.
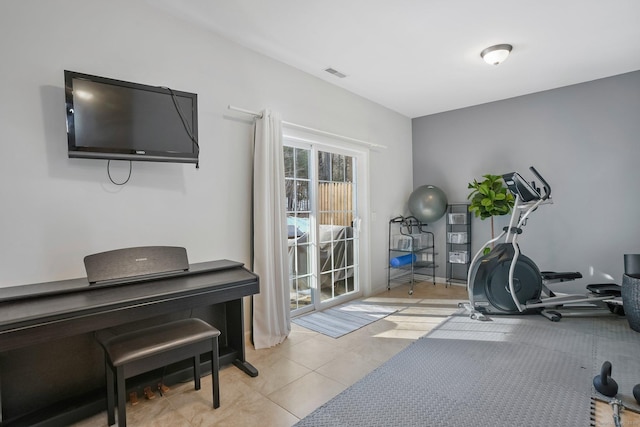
313 130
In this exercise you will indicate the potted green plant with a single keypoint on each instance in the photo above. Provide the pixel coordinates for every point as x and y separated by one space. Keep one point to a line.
489 198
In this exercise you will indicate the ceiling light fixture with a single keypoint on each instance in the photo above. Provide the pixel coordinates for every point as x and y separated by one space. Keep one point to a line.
494 55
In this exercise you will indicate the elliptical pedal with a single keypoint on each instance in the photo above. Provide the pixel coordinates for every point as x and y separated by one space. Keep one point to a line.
611 289
552 315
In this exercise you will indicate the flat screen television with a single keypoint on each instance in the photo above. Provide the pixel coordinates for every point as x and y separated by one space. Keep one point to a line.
118 120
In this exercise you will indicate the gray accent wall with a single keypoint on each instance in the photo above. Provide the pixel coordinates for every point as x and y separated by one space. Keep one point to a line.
584 139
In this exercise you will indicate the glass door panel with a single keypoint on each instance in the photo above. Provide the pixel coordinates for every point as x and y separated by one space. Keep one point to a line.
321 214
299 230
336 214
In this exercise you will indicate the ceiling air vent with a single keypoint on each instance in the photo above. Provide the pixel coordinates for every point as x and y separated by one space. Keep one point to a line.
335 73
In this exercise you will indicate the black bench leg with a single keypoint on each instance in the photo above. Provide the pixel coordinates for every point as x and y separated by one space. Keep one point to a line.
122 397
111 416
215 367
196 371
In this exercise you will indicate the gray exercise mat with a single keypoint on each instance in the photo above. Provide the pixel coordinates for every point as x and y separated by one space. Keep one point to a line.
507 371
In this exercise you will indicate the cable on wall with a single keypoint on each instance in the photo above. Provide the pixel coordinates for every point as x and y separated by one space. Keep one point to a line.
187 128
109 173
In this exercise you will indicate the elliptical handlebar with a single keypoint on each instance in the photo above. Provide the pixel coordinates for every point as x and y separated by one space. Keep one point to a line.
545 185
527 191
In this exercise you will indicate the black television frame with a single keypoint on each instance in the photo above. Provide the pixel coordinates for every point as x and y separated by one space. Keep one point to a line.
123 153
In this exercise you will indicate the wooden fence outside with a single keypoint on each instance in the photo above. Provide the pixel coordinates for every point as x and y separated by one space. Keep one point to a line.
335 203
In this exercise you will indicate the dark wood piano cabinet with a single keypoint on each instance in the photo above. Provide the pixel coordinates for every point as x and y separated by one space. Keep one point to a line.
51 368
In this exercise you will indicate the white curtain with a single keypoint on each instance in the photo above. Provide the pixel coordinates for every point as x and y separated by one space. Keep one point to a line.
271 317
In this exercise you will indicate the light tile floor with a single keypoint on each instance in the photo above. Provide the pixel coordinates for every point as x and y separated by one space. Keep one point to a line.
302 373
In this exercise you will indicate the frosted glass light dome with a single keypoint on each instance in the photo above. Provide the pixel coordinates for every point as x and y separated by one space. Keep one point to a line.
494 55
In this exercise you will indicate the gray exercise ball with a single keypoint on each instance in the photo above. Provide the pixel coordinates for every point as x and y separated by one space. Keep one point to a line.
428 203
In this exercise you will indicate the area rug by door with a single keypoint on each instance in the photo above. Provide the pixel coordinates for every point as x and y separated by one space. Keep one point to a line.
508 371
343 319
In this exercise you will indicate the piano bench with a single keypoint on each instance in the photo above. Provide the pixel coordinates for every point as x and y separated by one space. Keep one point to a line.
143 350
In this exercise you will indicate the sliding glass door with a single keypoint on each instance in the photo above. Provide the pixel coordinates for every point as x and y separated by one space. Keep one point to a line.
337 241
323 225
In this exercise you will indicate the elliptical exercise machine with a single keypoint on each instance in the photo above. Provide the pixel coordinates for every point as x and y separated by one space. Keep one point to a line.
505 281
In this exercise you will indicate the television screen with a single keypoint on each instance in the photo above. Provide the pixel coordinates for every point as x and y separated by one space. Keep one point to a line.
114 119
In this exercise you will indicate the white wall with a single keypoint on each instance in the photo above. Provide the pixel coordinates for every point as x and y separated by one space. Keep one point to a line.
56 210
584 139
